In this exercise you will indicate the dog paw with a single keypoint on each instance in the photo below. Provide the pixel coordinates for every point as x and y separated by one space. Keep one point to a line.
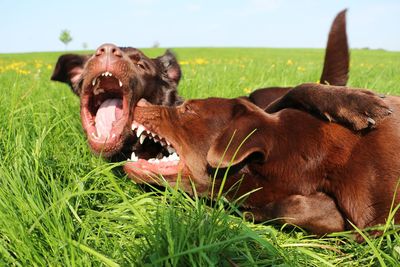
357 109
360 109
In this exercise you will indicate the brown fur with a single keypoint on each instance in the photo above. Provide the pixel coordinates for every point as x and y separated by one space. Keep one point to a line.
312 173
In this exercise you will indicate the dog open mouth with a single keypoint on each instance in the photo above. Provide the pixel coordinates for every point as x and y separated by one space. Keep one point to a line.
105 112
152 154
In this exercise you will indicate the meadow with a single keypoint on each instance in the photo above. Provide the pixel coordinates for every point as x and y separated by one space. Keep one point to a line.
60 205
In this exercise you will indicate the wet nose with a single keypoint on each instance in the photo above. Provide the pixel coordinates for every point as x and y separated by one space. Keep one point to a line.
108 50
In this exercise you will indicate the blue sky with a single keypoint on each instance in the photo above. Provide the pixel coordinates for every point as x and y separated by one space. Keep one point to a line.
36 25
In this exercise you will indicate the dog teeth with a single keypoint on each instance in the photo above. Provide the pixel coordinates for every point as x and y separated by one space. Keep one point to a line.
140 130
134 158
106 74
94 81
171 150
153 160
120 83
174 156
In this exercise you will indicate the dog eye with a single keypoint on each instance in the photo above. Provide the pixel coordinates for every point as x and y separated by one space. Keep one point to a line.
188 109
139 64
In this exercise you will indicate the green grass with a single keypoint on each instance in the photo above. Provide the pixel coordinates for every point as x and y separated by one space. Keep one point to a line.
62 206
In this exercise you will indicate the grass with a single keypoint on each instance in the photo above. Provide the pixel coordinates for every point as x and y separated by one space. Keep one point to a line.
62 206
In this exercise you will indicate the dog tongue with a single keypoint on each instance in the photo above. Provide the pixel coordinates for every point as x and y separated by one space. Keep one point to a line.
109 111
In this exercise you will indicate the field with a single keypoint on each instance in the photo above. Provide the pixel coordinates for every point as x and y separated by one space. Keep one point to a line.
62 206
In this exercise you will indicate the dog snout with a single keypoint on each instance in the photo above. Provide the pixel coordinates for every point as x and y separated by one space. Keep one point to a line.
108 50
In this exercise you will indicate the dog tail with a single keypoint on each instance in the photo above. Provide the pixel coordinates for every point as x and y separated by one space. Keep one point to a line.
337 55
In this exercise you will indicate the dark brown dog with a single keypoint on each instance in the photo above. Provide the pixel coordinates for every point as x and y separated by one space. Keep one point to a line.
311 173
110 83
112 80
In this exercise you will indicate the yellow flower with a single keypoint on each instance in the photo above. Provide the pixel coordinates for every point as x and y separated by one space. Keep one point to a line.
182 62
289 62
301 69
247 90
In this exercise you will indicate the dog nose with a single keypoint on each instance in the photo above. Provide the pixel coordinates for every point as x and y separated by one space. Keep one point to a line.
109 50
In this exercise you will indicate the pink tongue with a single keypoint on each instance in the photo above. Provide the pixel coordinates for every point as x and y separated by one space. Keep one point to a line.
109 111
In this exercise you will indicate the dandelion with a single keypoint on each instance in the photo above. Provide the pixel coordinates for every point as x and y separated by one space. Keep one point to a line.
289 62
182 62
247 90
301 69
242 78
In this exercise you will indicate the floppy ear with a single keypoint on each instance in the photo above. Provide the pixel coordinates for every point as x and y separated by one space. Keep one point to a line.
336 63
170 67
68 69
243 138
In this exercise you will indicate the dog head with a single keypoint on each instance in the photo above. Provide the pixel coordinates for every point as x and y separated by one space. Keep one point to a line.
195 138
109 83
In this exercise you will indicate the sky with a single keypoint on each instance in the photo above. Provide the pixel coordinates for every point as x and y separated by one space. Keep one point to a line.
28 26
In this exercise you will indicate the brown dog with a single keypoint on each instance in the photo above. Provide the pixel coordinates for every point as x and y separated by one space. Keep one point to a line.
111 81
311 173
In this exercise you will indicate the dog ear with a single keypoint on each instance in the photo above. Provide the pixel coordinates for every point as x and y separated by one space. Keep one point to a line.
68 69
170 66
336 63
244 138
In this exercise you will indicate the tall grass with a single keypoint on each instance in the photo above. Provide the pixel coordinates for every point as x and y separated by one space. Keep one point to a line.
62 206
